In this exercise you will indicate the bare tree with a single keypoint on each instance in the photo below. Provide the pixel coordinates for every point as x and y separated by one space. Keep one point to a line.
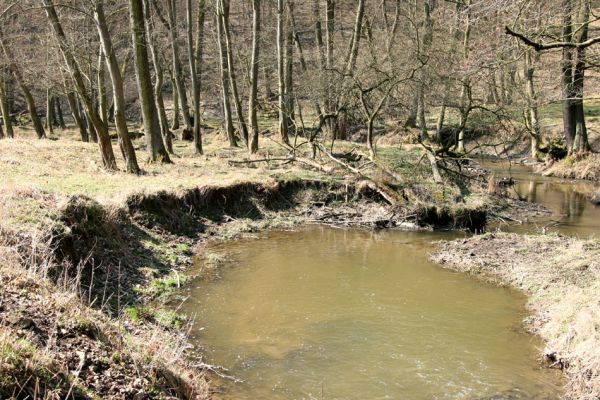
114 70
154 144
253 102
106 150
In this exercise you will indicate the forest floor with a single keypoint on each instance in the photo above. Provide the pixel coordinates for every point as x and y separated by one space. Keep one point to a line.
561 276
89 260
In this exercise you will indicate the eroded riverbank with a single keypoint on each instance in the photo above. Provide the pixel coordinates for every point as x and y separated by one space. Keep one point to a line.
561 276
117 264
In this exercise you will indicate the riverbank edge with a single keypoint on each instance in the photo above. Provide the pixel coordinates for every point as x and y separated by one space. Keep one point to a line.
92 279
561 277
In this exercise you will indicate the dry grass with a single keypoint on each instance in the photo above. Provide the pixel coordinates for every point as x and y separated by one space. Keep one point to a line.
561 275
54 346
72 167
580 166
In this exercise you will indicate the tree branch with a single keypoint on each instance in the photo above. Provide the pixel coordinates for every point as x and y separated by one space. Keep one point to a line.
549 46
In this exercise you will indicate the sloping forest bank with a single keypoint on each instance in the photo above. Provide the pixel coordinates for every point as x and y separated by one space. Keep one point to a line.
87 265
561 276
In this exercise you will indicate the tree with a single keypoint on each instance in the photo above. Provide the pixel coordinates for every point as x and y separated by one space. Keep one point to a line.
224 67
106 150
5 107
159 82
573 44
154 144
283 112
253 102
16 72
114 70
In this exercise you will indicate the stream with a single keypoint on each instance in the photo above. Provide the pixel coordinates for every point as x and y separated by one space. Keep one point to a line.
325 313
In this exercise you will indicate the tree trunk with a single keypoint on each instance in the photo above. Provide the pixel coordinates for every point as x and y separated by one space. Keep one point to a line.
177 68
58 113
353 51
225 82
155 146
289 70
532 109
116 79
176 123
253 101
465 102
567 77
77 116
49 112
197 70
581 135
159 82
5 107
440 124
101 80
283 126
193 76
31 107
231 71
106 150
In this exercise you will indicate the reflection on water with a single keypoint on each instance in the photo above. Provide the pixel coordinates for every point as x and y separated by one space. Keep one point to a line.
325 313
573 214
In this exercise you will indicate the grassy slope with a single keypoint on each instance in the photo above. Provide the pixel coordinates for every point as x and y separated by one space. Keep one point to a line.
562 278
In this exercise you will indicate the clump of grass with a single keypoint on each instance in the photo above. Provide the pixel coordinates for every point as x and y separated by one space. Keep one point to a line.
162 288
164 317
214 260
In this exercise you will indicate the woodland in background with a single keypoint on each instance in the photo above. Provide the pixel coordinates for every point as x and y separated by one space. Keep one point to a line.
437 73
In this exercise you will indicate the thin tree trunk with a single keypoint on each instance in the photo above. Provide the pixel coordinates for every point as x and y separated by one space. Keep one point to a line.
192 56
464 94
116 79
177 67
440 124
200 33
106 150
581 135
356 34
225 82
49 112
58 113
159 82
77 116
303 64
532 109
5 106
175 125
253 101
567 77
155 146
289 71
31 107
231 71
101 80
283 126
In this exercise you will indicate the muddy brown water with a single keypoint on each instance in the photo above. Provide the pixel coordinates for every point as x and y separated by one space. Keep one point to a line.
324 313
572 213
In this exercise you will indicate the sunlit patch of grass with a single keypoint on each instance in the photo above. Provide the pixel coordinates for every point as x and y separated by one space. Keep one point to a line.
164 287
